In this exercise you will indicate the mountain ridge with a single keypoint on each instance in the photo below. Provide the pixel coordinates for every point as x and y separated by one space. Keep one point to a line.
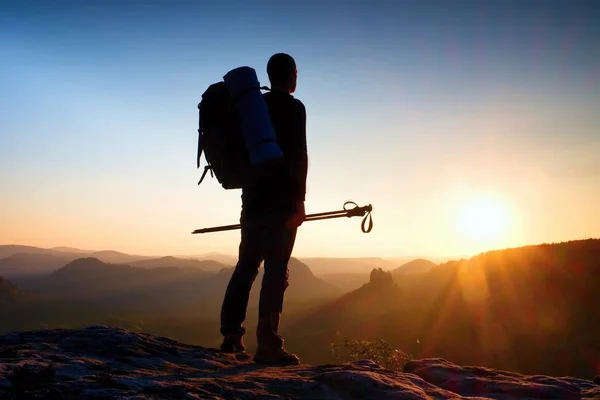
319 265
180 289
507 309
416 266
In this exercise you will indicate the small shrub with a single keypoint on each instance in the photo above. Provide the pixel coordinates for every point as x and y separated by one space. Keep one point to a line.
378 351
104 379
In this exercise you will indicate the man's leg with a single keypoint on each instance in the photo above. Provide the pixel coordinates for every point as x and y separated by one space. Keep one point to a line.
235 302
279 242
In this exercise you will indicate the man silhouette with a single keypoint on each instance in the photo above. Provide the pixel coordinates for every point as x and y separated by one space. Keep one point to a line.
272 211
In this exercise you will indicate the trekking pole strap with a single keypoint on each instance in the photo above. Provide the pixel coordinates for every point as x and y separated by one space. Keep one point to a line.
206 170
361 212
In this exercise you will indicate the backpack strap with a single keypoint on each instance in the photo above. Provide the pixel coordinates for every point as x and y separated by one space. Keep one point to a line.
199 154
200 149
206 169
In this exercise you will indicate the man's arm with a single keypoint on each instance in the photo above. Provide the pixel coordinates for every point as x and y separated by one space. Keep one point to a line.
302 152
299 164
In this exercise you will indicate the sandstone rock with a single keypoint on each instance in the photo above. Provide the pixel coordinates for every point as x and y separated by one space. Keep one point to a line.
101 362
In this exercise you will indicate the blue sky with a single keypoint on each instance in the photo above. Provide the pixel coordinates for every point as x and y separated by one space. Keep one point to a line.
412 106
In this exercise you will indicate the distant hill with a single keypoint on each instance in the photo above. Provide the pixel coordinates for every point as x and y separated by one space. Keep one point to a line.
346 282
89 278
10 249
43 262
213 256
173 262
434 259
417 266
304 284
24 265
331 265
328 267
109 256
164 289
66 249
377 296
116 257
8 292
532 309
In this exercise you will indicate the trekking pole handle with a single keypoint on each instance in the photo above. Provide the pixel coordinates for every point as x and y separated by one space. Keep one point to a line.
357 211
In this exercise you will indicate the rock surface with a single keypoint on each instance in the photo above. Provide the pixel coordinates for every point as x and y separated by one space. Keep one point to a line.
101 362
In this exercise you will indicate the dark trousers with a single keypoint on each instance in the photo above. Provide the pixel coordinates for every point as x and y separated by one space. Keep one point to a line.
272 243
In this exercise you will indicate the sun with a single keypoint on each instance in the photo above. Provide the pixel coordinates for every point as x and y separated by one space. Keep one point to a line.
484 220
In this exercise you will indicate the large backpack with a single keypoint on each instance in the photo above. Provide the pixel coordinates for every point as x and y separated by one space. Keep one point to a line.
235 131
220 139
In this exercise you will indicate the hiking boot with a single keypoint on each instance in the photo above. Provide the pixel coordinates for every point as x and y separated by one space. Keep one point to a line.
274 355
233 344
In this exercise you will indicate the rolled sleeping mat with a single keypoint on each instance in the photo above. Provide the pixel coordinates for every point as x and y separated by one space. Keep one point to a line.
259 134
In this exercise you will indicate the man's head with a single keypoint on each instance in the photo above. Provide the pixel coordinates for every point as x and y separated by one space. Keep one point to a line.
282 72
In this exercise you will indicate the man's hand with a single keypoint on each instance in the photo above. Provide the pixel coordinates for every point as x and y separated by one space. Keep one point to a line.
299 216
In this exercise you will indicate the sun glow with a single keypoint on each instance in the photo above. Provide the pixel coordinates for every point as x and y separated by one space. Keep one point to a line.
484 221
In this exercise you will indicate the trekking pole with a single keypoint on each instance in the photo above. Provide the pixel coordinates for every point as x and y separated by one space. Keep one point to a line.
356 211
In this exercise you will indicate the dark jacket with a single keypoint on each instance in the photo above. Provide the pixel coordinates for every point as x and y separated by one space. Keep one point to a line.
275 191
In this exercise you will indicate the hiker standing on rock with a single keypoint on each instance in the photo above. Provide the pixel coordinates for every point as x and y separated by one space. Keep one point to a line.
272 211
